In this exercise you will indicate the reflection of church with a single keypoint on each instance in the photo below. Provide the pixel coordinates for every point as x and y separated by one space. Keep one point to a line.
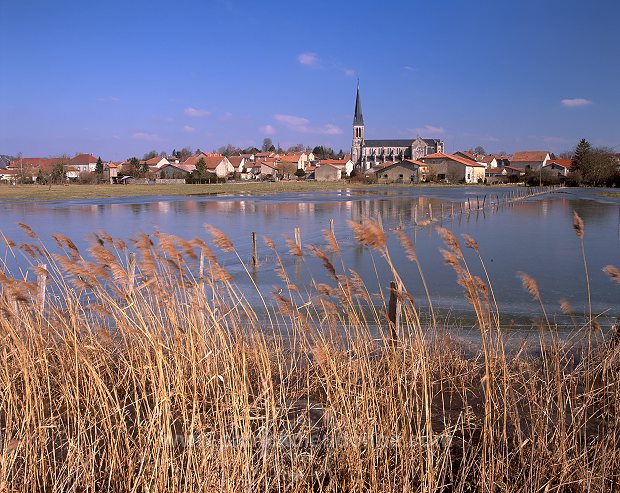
368 153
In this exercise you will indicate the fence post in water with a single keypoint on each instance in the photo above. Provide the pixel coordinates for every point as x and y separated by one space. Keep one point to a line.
484 199
41 283
469 203
415 215
442 210
331 224
254 250
452 208
430 211
298 236
394 308
477 202
380 221
131 271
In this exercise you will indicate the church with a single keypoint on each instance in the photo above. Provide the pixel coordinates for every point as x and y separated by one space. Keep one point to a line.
368 153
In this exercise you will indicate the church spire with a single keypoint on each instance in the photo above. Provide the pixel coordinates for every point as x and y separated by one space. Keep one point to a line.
358 119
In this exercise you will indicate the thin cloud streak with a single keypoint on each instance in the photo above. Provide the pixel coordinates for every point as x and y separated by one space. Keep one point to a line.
575 102
196 112
308 58
302 125
146 137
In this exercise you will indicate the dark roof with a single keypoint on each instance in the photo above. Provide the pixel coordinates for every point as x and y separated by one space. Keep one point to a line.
409 164
358 119
389 143
431 142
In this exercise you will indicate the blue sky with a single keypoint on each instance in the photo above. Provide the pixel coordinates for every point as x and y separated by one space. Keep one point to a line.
119 78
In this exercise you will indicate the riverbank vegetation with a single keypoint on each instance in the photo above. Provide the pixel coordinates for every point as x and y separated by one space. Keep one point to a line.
143 367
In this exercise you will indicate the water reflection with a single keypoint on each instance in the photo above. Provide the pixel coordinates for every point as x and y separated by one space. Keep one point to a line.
534 236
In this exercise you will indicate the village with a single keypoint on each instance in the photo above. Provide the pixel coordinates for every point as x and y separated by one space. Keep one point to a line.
385 161
438 167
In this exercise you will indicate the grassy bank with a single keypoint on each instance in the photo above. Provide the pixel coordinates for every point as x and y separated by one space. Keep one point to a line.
613 195
143 368
68 192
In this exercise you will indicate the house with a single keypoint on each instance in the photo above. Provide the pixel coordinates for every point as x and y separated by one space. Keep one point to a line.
172 172
561 167
214 163
72 173
470 155
407 171
269 168
300 159
85 163
9 176
248 157
530 159
453 169
345 165
328 172
157 162
238 162
110 171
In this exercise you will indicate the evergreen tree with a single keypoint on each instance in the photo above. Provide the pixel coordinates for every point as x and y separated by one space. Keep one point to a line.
99 166
201 167
581 151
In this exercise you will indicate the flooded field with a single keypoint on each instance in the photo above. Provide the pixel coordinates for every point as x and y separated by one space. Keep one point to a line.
534 236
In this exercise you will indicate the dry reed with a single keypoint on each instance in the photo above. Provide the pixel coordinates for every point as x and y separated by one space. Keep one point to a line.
145 376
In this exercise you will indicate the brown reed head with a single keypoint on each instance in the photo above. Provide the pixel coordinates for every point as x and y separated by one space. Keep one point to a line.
613 272
529 284
220 239
369 233
470 242
578 225
294 248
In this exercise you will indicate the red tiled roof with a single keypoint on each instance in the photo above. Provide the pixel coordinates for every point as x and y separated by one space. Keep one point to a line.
469 155
291 158
235 160
452 157
83 159
154 160
529 156
566 163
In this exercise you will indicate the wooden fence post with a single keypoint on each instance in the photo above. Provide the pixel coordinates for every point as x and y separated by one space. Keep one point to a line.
41 284
394 309
254 250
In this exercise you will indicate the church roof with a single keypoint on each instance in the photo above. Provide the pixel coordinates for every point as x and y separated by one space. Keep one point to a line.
388 143
358 119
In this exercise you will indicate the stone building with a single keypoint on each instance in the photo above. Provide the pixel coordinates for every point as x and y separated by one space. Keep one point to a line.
366 153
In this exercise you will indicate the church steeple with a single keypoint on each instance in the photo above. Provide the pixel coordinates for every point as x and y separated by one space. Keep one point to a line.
358 119
358 131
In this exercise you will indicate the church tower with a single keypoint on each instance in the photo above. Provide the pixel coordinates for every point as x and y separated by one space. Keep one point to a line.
358 132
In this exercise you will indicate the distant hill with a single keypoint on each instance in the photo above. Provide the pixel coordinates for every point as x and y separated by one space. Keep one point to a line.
5 160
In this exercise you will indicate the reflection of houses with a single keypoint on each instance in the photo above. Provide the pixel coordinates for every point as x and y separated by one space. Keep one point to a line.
453 169
368 153
407 171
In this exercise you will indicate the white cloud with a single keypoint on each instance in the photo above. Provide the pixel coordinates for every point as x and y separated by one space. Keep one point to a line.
302 125
195 112
427 129
291 121
145 136
349 72
574 102
268 130
408 68
188 129
308 58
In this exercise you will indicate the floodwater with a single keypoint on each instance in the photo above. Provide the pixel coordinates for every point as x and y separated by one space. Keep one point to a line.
534 236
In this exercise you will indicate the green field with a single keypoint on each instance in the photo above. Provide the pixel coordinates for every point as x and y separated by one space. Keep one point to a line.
68 192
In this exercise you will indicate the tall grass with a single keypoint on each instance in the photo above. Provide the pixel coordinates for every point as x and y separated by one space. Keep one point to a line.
148 370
